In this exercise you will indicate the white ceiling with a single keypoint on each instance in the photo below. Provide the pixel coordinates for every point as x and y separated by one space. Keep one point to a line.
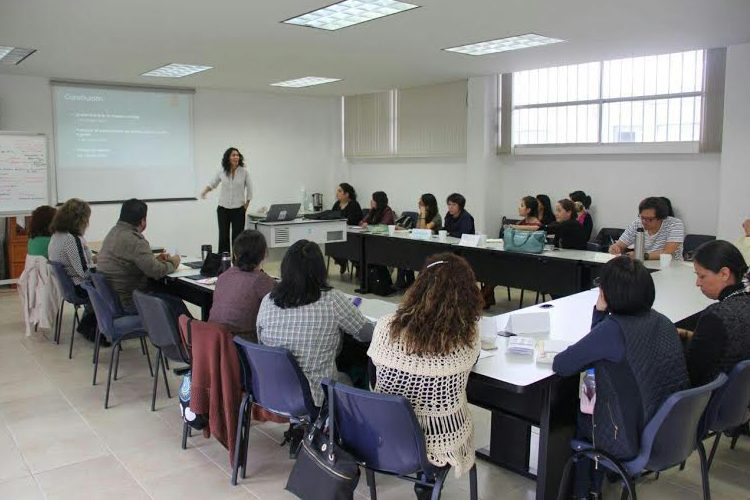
117 40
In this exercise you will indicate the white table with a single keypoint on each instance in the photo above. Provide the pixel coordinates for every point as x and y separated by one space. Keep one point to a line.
285 234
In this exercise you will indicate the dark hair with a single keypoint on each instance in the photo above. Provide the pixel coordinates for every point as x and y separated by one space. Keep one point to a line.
381 203
225 160
440 310
627 286
72 217
569 206
532 204
668 202
458 199
133 211
581 197
713 255
430 205
41 219
303 276
249 249
547 215
349 189
660 208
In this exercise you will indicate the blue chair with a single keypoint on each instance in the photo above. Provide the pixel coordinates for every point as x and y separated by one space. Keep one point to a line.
164 333
69 294
728 409
272 379
382 433
115 329
668 439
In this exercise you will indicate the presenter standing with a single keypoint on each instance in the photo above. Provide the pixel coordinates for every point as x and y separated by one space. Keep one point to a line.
234 197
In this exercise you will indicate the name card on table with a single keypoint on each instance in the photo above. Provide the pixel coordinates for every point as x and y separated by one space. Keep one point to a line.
528 322
473 240
421 234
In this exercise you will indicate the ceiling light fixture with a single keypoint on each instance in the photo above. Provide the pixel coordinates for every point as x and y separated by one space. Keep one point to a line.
504 44
176 70
14 55
307 81
348 13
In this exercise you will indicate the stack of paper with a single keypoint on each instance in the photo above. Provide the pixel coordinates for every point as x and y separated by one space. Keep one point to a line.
521 345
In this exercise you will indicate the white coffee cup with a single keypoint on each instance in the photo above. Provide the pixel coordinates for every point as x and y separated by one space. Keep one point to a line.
664 260
391 230
442 235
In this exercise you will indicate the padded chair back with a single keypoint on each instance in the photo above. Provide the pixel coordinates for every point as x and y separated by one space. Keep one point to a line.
728 406
109 295
692 242
604 238
504 222
414 216
161 325
380 430
105 312
67 287
272 376
672 434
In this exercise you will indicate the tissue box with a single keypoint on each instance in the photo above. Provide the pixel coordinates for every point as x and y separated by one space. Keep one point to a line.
528 322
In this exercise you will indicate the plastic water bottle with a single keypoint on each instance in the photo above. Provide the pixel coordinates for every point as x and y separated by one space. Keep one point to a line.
226 262
303 198
640 243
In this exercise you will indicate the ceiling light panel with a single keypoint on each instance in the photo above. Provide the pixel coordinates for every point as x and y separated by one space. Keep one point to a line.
504 44
14 55
350 12
176 70
307 81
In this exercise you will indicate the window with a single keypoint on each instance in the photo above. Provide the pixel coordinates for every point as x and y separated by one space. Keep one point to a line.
634 100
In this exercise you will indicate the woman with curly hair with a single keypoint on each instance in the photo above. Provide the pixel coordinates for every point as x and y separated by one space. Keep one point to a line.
39 231
425 351
234 197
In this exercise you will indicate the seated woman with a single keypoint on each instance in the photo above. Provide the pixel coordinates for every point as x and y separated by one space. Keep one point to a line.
637 363
346 203
380 212
425 352
584 216
458 221
304 315
528 210
428 218
68 247
39 231
568 232
546 215
240 289
722 336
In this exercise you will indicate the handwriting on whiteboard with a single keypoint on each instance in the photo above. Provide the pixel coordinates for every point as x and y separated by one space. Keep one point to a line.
23 172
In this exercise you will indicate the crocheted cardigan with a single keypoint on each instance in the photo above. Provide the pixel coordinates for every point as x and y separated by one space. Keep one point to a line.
436 388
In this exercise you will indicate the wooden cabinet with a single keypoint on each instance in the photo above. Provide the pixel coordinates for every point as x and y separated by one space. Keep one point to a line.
16 241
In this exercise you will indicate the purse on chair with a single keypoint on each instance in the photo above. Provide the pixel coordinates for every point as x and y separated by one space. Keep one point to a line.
323 469
515 240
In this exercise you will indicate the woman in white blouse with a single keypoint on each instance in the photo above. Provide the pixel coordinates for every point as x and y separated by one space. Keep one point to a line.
234 197
425 351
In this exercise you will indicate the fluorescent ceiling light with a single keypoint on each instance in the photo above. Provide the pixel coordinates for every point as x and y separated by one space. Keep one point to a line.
176 70
349 12
14 55
307 81
504 44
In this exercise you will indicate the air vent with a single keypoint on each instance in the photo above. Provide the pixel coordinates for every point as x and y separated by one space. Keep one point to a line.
281 236
334 235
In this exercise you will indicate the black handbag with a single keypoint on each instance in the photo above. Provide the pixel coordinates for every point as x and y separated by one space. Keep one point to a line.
323 471
211 265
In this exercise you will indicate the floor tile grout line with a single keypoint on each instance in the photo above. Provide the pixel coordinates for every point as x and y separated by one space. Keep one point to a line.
102 442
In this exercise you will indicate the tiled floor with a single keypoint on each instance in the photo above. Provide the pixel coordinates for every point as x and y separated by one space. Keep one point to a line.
58 442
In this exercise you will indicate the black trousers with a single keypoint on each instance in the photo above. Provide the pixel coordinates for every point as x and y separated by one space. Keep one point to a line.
234 217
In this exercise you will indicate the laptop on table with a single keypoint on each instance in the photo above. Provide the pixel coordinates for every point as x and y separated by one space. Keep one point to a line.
282 212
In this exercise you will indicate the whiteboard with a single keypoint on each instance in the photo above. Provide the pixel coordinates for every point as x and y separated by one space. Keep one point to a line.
24 170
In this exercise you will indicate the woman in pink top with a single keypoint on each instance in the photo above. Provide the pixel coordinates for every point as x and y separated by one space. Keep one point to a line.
380 212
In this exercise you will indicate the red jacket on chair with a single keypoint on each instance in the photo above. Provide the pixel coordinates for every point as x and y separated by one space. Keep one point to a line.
216 388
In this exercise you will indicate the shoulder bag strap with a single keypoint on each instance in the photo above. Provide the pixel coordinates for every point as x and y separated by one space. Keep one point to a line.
81 255
331 421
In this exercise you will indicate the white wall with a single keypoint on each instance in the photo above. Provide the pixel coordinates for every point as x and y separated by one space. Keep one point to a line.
734 202
288 141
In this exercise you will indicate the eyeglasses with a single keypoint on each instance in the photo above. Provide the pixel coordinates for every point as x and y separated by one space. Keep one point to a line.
648 219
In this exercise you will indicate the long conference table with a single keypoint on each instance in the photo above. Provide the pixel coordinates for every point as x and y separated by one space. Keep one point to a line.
533 410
